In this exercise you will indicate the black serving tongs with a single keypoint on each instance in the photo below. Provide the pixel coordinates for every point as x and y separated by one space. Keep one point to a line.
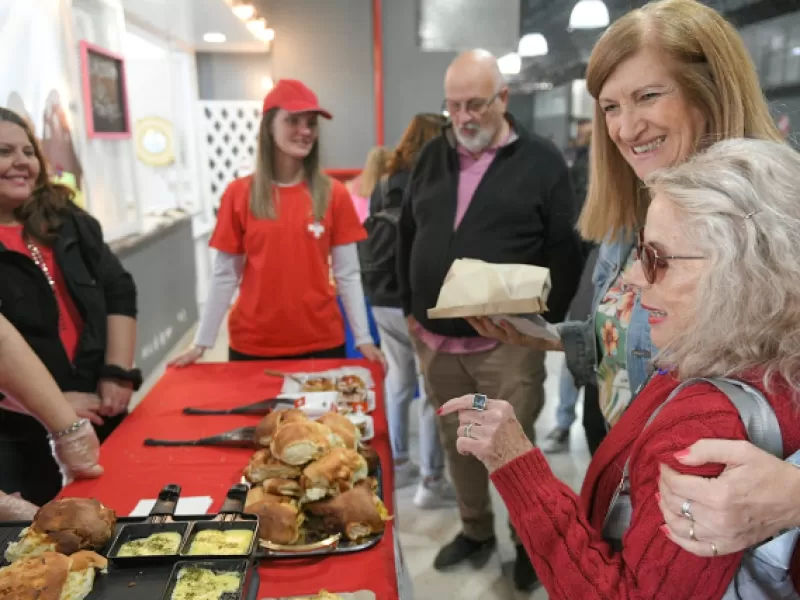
243 437
262 407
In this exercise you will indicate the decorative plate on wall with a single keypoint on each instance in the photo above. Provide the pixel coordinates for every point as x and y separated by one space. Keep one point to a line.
155 141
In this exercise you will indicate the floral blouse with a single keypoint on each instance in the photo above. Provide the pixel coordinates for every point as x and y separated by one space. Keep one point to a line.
611 322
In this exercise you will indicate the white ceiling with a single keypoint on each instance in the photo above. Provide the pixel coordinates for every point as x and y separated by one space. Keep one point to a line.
188 20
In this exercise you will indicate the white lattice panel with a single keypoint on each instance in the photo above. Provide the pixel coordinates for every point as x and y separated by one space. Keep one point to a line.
229 138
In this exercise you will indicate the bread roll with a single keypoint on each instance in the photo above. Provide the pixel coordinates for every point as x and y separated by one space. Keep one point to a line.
266 428
299 443
343 428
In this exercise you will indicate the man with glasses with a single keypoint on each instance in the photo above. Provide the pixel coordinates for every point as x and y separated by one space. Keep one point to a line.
485 189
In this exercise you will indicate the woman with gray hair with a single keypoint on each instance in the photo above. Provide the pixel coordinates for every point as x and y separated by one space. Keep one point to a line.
716 274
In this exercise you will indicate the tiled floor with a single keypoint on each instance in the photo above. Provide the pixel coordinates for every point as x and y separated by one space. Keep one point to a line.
422 533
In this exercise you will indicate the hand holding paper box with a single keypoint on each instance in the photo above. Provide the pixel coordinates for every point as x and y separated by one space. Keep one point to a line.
474 288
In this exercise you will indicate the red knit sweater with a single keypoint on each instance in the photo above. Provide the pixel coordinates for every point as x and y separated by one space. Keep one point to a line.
562 532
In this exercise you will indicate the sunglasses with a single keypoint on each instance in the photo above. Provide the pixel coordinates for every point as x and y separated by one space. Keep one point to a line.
652 262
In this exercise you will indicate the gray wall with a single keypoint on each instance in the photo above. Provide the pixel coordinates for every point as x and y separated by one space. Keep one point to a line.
521 108
413 79
227 76
163 266
328 45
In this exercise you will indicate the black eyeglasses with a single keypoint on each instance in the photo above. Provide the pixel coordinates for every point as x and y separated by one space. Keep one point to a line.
475 107
652 262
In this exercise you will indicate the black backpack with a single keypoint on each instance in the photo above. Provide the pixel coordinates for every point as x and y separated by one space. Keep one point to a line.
378 253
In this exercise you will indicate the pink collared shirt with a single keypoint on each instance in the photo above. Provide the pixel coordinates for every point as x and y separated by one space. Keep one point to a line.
471 171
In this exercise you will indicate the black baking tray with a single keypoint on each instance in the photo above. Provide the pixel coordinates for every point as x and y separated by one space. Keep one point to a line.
244 568
344 545
139 582
149 580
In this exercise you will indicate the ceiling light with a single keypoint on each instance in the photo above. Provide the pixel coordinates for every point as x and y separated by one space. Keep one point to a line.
265 35
256 26
267 83
589 14
244 10
796 51
214 37
510 64
532 44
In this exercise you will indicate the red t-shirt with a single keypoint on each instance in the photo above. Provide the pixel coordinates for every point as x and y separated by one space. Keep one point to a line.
70 323
287 303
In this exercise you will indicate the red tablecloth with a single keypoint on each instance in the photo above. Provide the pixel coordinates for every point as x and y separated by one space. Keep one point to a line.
134 471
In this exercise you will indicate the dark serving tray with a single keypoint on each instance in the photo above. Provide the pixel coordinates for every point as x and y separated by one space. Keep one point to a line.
343 546
135 582
151 578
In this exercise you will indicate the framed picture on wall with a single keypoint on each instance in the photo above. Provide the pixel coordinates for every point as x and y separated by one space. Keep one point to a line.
105 96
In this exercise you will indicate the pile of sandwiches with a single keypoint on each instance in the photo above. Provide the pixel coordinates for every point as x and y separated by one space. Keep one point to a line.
54 558
313 475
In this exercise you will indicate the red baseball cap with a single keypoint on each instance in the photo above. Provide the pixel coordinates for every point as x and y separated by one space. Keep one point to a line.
295 97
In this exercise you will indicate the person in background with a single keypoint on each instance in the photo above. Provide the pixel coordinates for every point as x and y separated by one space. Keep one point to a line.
726 218
484 189
593 423
277 232
25 378
361 187
71 300
381 285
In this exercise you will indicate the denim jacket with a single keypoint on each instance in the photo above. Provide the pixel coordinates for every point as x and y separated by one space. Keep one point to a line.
579 337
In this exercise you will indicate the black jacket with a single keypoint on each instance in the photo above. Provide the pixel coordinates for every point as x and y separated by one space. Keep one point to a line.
523 212
580 184
383 289
98 284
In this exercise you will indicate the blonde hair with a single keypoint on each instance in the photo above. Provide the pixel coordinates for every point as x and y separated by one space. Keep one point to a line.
714 73
740 202
262 203
374 169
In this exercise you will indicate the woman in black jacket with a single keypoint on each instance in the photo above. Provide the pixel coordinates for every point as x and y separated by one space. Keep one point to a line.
382 288
70 298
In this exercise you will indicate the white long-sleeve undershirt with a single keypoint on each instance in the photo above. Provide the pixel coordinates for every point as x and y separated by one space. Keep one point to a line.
227 276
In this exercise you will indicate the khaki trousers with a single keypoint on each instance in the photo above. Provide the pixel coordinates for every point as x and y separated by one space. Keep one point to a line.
506 372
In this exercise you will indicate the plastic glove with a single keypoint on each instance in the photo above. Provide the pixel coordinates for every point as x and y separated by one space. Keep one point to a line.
14 508
77 454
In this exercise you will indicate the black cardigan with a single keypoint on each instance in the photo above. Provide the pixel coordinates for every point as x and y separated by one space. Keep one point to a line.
523 212
98 284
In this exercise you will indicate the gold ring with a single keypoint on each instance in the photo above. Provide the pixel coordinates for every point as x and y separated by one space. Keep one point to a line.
691 532
713 549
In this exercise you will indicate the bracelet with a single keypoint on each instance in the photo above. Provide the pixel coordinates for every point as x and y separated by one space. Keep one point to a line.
71 429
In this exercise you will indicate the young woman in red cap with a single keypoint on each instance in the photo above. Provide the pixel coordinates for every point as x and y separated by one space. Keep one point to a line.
278 233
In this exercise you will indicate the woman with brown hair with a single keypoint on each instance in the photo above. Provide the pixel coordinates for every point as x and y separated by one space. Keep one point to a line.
72 301
668 79
382 288
278 233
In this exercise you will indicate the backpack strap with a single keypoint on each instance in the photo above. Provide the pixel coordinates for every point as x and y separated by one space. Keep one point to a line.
757 415
384 183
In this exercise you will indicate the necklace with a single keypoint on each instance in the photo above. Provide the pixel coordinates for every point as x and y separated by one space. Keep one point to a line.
38 260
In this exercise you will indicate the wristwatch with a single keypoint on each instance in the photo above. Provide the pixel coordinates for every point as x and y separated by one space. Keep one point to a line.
132 376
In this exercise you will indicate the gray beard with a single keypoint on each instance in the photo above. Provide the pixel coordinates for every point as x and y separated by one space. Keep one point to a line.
479 143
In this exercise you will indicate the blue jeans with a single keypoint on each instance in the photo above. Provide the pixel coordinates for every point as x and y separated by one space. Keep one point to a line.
403 379
567 400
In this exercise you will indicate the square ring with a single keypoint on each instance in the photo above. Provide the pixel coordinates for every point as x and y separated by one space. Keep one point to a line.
479 402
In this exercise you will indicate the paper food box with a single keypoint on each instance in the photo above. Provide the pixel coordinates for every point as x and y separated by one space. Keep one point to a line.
474 288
